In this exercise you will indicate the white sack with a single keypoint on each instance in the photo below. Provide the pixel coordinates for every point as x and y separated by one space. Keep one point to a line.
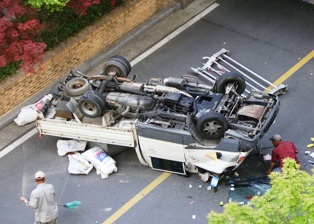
98 156
103 163
66 146
27 115
78 164
104 171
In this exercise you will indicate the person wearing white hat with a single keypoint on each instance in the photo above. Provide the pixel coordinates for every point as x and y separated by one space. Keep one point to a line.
281 151
43 200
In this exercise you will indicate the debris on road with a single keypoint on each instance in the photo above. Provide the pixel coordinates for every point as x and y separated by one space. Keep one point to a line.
243 191
84 163
67 146
310 161
103 163
78 164
30 113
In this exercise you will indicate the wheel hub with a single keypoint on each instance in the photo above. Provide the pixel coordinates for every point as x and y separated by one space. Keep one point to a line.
212 128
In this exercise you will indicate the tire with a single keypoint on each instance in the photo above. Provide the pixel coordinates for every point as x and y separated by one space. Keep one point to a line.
228 78
92 104
212 125
76 87
124 61
112 65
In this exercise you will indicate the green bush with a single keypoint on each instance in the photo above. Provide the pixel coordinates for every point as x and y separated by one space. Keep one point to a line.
63 24
288 201
9 70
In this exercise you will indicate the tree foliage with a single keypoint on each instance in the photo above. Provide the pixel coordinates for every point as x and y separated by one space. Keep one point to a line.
51 5
18 36
80 6
11 8
289 200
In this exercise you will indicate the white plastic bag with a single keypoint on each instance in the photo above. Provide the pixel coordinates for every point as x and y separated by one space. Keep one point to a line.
78 164
267 157
27 115
66 146
30 113
103 163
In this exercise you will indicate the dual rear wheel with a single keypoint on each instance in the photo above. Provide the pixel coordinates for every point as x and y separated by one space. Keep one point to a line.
118 65
92 103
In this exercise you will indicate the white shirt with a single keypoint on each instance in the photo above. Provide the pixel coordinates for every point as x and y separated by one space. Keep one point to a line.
43 200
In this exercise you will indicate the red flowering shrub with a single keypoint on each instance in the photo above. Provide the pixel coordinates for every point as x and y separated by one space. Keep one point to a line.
20 32
17 39
11 8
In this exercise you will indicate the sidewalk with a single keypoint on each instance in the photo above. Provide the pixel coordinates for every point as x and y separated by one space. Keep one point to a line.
130 46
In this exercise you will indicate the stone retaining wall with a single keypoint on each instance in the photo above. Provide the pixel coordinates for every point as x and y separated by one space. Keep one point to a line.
78 49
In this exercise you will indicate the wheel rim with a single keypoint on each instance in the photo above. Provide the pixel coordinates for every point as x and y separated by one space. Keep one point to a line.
114 69
77 85
212 128
89 108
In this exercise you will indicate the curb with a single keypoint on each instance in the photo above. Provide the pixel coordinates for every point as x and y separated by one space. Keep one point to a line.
93 62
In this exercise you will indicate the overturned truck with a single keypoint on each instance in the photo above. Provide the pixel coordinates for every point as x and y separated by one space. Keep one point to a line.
175 124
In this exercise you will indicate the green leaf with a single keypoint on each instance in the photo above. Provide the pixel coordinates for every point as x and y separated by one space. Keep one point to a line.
289 200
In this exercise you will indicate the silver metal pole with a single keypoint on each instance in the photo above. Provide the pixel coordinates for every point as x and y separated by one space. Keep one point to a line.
242 66
250 78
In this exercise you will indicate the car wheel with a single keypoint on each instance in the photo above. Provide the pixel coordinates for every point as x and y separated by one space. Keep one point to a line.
212 125
76 87
228 78
92 104
124 61
116 66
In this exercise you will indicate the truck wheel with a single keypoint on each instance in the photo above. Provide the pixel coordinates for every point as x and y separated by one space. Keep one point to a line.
212 125
92 104
124 61
76 87
228 78
118 67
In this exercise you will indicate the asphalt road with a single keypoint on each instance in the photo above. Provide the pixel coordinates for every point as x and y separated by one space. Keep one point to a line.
269 37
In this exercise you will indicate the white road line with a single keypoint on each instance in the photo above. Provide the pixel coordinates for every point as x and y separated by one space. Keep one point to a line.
174 34
133 62
18 142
